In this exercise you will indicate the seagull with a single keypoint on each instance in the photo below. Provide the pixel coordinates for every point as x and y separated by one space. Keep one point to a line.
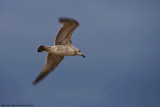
62 47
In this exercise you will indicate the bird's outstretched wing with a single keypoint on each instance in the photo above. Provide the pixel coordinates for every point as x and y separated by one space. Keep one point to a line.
65 33
52 62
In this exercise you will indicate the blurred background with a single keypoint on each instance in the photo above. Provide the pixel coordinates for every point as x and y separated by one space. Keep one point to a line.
120 39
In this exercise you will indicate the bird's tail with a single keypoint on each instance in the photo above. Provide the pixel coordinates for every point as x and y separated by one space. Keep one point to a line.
41 49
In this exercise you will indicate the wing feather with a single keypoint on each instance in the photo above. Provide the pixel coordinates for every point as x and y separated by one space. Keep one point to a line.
65 33
52 62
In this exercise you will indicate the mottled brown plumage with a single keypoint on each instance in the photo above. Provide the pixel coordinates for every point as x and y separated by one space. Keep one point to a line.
62 47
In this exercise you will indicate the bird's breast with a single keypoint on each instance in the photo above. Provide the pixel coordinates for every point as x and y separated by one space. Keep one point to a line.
64 50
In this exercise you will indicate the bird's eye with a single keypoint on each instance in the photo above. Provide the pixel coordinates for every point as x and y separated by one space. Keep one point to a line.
79 51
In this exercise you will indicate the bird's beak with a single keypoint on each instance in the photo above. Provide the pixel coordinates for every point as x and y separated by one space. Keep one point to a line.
83 56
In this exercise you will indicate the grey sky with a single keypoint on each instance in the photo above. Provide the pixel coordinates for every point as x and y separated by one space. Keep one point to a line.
120 40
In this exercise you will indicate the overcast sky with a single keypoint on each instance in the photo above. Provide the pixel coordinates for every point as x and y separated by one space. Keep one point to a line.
120 39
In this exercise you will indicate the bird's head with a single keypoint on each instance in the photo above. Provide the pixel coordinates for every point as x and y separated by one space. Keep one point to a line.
79 53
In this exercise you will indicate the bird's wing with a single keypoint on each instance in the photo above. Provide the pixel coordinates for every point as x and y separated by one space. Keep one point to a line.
64 35
52 62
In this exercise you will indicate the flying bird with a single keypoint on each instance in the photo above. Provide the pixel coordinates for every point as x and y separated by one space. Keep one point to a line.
62 47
